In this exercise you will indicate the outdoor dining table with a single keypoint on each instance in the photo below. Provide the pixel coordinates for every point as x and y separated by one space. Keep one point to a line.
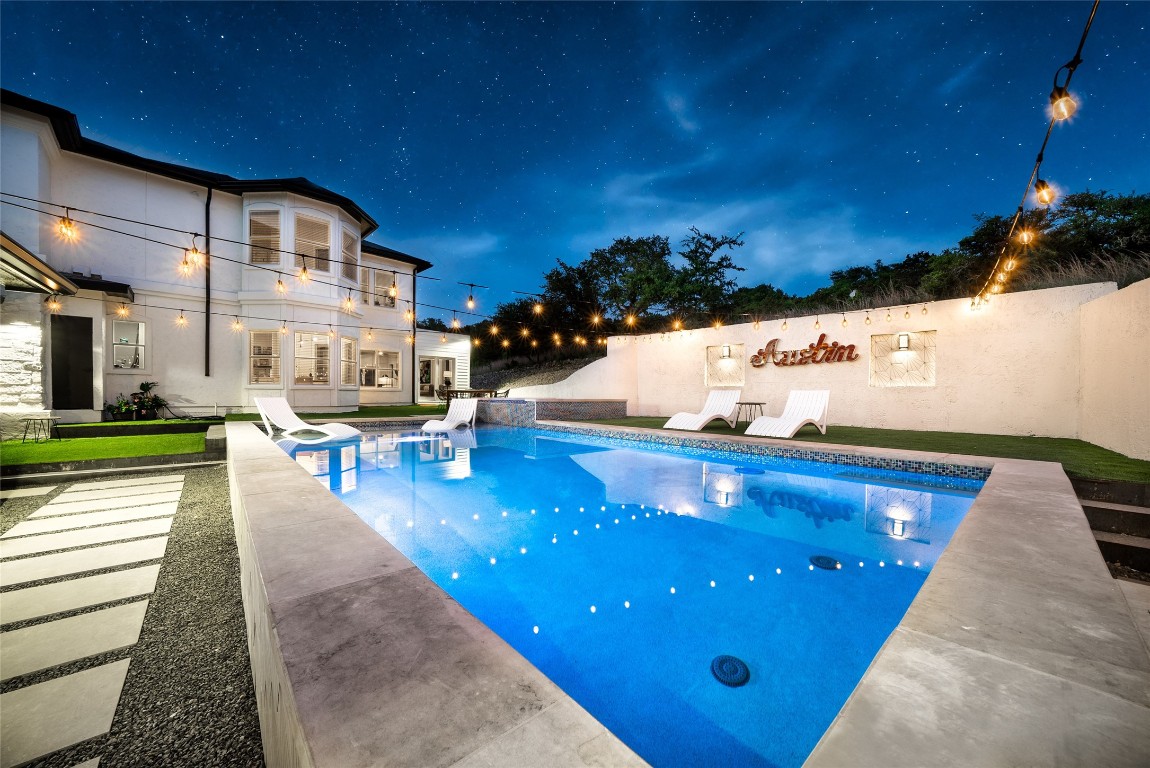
453 393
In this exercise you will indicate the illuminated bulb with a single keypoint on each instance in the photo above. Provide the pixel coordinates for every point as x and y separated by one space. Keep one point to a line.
996 288
470 301
409 315
924 309
867 321
303 276
66 228
718 323
534 343
237 326
506 343
370 335
1000 277
1026 237
182 321
755 325
494 330
393 291
475 342
677 325
844 321
349 304
596 319
524 332
281 289
1044 192
1062 104
185 268
784 325
455 322
538 308
888 315
818 325
443 338
1010 264
906 315
283 329
123 311
410 339
53 304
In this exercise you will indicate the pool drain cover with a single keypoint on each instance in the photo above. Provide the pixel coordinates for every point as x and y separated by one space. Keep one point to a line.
824 562
730 671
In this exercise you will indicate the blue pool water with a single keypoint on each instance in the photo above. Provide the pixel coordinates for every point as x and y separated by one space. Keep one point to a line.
622 570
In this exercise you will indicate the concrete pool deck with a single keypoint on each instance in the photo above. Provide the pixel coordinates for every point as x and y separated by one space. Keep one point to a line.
1020 648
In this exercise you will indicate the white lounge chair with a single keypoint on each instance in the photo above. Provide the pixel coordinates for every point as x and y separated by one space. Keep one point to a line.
276 413
461 412
804 406
721 404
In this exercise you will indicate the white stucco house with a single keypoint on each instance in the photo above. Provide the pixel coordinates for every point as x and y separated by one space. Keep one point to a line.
191 279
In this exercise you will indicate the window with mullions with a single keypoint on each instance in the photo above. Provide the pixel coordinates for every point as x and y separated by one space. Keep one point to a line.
350 256
378 295
312 358
264 236
378 370
347 361
127 344
264 357
312 243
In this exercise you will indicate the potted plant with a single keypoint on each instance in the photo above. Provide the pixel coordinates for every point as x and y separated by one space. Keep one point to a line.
147 402
121 410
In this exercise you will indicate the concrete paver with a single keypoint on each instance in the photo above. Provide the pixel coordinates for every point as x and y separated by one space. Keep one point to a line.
48 716
24 493
67 563
93 494
58 597
147 480
97 505
49 542
85 519
64 640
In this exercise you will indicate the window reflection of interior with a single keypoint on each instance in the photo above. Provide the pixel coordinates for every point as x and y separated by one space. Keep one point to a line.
378 369
127 344
312 358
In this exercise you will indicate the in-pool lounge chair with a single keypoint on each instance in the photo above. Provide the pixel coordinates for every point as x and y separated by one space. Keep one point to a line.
461 412
721 404
276 413
804 406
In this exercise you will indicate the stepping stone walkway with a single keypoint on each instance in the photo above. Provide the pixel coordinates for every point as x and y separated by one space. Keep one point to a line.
118 528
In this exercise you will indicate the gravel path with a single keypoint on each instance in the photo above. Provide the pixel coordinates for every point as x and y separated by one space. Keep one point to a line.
188 699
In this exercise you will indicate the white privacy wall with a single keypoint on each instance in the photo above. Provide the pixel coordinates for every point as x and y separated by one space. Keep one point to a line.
1027 364
1116 371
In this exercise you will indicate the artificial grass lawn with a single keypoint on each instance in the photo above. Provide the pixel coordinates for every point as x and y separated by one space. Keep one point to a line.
1077 457
81 448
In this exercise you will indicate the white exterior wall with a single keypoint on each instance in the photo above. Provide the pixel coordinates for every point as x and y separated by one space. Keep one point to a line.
35 167
1116 371
1055 363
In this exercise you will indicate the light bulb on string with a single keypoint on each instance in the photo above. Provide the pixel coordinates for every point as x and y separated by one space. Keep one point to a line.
677 325
443 338
494 329
784 323
185 267
281 289
1009 265
596 319
53 305
867 321
475 342
471 296
66 227
237 325
818 324
1062 104
1026 237
924 309
304 276
631 321
123 311
349 304
393 291
410 340
888 315
906 315
506 343
370 334
330 332
1044 193
718 324
283 329
844 320
524 332
534 343
181 321
538 308
454 321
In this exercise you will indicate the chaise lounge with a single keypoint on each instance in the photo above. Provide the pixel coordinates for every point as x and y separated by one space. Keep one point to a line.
804 406
721 404
278 414
461 412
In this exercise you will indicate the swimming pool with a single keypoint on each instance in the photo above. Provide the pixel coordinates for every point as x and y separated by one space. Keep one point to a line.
621 571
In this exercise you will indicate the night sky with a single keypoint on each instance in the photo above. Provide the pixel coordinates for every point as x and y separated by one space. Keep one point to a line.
493 139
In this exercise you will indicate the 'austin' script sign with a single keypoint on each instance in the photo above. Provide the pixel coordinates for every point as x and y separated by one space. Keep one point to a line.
819 352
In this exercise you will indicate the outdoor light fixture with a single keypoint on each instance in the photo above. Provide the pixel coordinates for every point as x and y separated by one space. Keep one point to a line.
443 338
596 319
283 329
66 228
494 329
123 311
181 321
844 319
475 342
330 332
303 276
631 320
52 303
1062 104
898 528
903 342
784 323
237 326
454 321
506 343
349 304
867 321
193 255
524 332
1026 237
185 267
281 289
818 324
538 308
370 334
718 323
725 352
1044 193
677 325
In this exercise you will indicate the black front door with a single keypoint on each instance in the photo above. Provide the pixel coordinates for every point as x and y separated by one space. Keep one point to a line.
71 362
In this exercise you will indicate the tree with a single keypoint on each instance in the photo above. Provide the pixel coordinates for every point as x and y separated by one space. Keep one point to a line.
635 274
702 285
571 295
431 324
1087 224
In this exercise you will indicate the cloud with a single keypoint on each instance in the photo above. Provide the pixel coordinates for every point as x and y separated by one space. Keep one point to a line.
447 249
680 109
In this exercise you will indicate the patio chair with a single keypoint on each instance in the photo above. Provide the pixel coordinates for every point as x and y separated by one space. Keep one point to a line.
804 406
460 413
278 414
721 404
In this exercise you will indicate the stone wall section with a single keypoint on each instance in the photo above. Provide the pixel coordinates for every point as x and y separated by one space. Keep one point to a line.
22 361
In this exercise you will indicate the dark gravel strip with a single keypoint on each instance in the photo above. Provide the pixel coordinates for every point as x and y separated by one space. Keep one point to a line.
188 699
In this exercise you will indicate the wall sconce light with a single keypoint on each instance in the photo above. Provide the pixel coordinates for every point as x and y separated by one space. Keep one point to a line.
903 342
898 528
725 352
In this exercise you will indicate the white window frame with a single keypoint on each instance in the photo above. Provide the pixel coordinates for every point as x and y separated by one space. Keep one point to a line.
270 357
349 255
141 345
320 372
269 250
376 369
312 252
348 362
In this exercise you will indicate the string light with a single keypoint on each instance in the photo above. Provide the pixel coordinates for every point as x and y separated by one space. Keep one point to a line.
330 332
1026 237
52 303
818 324
506 343
631 321
283 329
844 320
494 329
123 311
185 267
181 321
677 325
906 315
784 323
349 304
888 315
443 338
370 334
66 227
718 324
281 289
393 291
557 339
1062 104
524 332
596 319
867 321
471 296
237 326
304 276
193 255
454 321
924 309
538 308
1044 193
475 342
